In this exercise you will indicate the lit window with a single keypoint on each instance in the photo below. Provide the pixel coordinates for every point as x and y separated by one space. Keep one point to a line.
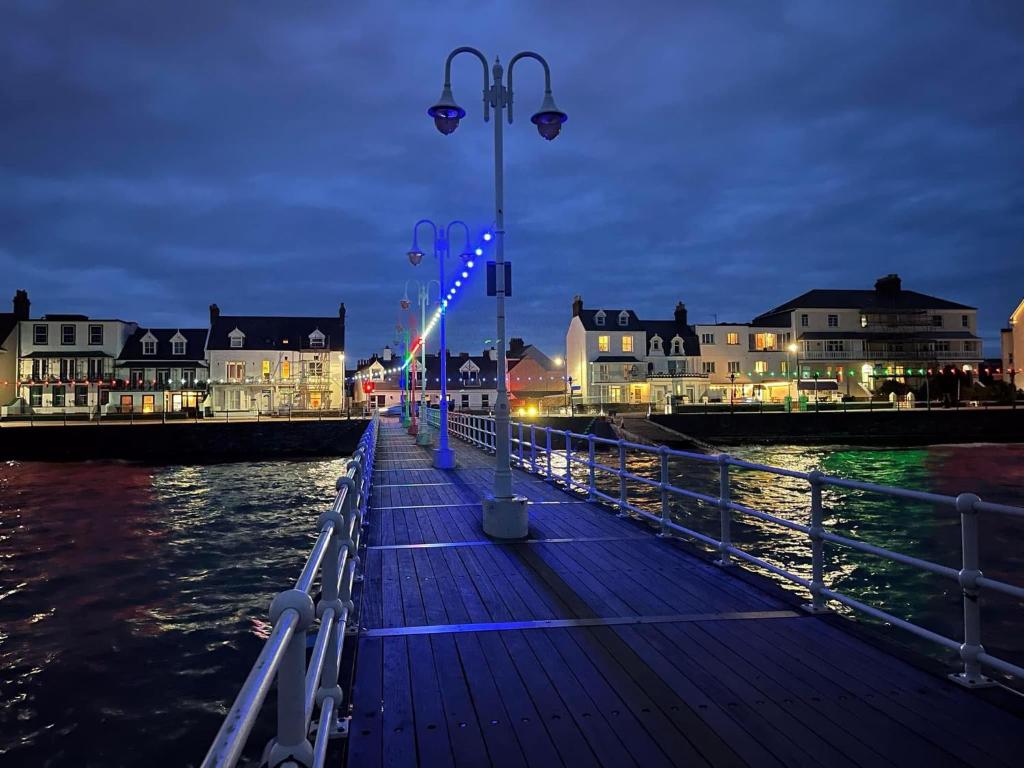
286 369
863 321
265 370
627 343
67 334
148 347
764 341
732 338
760 366
316 368
833 321
177 347
148 403
235 371
603 343
707 338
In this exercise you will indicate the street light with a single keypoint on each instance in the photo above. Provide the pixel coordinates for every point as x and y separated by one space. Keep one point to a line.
444 457
505 515
423 292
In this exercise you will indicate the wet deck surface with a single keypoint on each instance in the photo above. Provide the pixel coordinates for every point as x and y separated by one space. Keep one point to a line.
596 643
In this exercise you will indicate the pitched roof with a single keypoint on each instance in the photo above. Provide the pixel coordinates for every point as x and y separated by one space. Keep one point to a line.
826 298
611 320
8 322
487 373
195 345
280 333
668 330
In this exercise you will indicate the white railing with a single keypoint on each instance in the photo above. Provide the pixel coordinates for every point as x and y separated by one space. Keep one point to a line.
305 689
556 454
915 355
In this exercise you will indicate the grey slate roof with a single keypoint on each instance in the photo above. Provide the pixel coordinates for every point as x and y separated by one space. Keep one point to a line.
271 332
869 299
669 329
488 368
195 346
611 321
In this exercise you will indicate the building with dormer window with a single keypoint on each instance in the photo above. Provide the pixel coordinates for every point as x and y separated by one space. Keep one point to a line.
614 357
471 380
161 370
275 364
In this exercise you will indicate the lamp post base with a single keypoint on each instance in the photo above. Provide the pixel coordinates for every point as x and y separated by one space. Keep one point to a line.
413 429
444 458
423 436
506 518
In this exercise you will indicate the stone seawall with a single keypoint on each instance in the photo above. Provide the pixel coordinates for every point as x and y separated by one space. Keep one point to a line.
917 427
181 443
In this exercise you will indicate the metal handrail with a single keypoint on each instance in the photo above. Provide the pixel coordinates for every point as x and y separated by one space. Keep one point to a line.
302 686
572 457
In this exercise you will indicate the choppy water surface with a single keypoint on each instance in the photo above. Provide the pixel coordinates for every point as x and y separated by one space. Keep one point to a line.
133 599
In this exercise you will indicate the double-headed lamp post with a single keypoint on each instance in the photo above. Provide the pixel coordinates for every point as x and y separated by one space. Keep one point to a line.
444 457
505 515
423 294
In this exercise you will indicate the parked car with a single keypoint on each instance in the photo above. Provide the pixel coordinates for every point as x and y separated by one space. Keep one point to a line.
394 410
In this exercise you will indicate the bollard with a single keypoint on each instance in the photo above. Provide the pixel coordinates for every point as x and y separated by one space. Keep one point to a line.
971 648
663 456
817 604
724 511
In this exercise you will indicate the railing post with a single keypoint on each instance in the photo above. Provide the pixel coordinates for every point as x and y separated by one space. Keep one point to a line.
520 445
817 604
568 459
663 456
623 487
547 445
533 447
291 742
591 469
724 511
971 648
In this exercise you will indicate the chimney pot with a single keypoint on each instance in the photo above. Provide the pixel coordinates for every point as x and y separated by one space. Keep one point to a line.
214 313
577 305
680 314
21 305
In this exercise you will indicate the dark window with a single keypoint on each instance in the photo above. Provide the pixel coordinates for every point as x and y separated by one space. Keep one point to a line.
35 396
95 367
163 376
189 377
148 347
465 401
67 334
937 321
58 396
41 334
964 321
803 320
485 400
833 321
95 334
136 377
81 395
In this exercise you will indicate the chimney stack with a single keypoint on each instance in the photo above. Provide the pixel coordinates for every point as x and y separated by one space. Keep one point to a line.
890 284
577 305
341 311
21 305
516 347
214 313
386 355
680 314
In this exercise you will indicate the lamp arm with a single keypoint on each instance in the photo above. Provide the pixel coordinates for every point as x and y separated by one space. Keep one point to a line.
465 228
487 79
547 76
416 229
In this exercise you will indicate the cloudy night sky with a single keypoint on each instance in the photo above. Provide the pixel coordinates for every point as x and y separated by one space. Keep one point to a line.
272 157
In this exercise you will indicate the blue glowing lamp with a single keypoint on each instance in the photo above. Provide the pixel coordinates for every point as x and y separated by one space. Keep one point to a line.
548 118
479 251
446 112
487 236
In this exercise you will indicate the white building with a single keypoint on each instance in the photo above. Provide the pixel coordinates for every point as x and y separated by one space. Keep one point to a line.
161 370
849 341
613 356
1012 343
276 364
471 380
66 362
745 361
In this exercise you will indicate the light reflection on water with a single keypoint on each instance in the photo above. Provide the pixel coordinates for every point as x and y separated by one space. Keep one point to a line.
134 599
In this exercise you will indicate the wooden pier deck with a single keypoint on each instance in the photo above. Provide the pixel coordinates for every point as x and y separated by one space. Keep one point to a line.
596 643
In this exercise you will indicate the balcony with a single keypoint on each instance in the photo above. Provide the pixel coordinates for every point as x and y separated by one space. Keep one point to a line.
869 354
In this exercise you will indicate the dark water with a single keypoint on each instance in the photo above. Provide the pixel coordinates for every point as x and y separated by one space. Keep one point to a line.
133 599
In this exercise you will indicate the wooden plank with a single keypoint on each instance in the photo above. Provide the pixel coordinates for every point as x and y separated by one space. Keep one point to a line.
432 741
399 728
366 740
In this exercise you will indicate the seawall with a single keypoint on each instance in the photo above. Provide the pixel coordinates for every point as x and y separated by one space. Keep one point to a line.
889 427
181 442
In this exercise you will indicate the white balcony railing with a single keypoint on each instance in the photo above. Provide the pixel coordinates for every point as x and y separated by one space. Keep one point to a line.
861 354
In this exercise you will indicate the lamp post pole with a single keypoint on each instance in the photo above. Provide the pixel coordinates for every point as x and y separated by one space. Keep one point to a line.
505 515
444 457
423 296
